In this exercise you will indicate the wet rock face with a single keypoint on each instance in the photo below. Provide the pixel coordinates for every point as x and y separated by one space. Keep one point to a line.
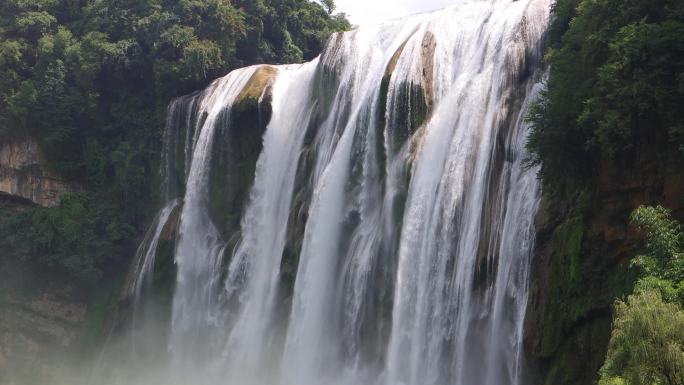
414 97
584 246
258 88
23 174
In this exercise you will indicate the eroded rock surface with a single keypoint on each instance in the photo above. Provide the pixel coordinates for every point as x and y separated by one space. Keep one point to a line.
23 174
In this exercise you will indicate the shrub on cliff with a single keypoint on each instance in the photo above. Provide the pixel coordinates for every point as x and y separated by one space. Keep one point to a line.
647 341
77 239
664 244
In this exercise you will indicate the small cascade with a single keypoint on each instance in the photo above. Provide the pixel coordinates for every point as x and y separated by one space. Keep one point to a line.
143 263
364 218
177 144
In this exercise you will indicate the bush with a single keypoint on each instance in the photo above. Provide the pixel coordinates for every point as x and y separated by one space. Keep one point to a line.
647 340
664 244
647 343
79 237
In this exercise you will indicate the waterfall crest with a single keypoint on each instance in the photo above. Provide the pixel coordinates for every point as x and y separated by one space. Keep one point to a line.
364 218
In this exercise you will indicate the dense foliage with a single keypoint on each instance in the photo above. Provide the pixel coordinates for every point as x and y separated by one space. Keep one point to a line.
616 83
90 79
647 343
78 236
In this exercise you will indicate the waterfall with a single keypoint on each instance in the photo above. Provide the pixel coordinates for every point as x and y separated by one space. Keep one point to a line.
196 311
364 218
254 272
147 251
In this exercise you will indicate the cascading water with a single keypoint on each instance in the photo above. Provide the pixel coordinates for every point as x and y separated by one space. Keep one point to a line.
146 254
388 229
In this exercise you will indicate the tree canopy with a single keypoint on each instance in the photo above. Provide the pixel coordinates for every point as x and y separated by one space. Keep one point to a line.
616 82
91 79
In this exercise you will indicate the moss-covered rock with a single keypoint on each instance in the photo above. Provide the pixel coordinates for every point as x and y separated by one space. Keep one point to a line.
257 89
584 246
296 224
573 289
413 101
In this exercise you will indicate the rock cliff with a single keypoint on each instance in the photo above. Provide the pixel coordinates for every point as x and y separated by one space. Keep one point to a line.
24 174
584 246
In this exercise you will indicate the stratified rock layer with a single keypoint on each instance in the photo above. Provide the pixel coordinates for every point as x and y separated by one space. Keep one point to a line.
23 174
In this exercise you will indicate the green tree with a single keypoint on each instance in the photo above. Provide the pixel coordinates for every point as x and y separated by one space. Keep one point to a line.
647 340
663 258
647 343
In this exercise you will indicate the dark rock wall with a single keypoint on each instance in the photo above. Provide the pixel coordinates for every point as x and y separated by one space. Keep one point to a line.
584 245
